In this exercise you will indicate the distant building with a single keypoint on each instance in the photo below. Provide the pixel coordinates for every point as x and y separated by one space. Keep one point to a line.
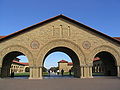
19 67
66 66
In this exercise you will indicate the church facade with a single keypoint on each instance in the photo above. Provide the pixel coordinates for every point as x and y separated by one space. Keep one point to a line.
63 34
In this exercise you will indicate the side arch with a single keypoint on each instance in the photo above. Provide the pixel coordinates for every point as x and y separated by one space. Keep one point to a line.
105 48
18 48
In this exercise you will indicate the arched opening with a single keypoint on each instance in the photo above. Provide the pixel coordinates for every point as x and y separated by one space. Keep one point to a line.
104 64
13 65
27 69
55 62
71 54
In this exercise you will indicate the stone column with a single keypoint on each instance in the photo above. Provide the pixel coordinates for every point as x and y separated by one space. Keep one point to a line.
118 70
40 72
90 71
95 69
86 71
31 72
82 71
98 69
35 72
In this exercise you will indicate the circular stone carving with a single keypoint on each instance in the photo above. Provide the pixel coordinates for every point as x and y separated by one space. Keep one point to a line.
34 44
86 45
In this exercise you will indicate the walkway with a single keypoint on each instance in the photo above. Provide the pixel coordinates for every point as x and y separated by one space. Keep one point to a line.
61 84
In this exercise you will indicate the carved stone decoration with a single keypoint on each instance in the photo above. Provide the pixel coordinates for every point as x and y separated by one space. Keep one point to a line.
34 44
86 44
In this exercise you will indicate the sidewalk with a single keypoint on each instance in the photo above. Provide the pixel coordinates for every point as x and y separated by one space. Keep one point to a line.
61 84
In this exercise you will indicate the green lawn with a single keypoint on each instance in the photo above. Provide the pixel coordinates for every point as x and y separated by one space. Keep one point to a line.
21 74
98 74
27 74
44 74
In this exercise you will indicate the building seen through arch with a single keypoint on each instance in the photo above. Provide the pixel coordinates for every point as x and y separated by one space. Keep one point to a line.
19 67
105 64
60 33
65 65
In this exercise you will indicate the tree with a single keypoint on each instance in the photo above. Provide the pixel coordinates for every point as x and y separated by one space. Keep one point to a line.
54 69
44 69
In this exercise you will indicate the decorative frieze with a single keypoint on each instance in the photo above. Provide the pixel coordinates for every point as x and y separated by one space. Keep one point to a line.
61 31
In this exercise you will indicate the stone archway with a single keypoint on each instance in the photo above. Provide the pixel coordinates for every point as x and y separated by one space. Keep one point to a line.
106 52
106 64
71 54
65 44
8 54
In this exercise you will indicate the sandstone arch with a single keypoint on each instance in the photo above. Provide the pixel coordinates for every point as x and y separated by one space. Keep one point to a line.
110 53
106 48
65 44
14 50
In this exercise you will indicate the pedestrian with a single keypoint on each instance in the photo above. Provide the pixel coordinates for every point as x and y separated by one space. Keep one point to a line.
12 74
49 72
62 72
70 72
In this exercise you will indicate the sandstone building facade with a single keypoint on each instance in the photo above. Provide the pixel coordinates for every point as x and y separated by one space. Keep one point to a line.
19 67
60 33
66 66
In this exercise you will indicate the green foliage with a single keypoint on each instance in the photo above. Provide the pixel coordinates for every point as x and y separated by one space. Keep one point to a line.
44 69
98 74
54 69
22 74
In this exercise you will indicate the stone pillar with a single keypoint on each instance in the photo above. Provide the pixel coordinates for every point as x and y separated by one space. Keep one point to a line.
98 69
31 73
90 71
86 71
40 72
118 70
35 72
82 71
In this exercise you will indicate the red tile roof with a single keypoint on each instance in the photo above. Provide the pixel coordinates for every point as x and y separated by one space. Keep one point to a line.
96 59
26 64
62 61
2 37
117 38
70 63
55 18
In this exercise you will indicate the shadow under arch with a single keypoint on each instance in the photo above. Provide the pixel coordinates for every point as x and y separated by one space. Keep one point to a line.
71 54
7 61
106 64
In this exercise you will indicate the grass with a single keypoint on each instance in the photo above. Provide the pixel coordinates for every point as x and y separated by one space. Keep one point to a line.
98 74
21 74
44 74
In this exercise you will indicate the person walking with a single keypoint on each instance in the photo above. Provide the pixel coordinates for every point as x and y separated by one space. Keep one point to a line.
70 72
62 72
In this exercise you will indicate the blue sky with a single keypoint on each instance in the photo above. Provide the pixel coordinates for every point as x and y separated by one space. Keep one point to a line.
103 15
51 60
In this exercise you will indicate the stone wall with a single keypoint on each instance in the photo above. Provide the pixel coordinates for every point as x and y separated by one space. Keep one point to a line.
60 33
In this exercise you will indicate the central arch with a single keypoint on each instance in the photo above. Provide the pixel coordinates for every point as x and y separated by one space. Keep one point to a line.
71 54
67 47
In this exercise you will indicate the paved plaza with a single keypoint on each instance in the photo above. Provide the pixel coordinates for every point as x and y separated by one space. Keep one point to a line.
61 84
